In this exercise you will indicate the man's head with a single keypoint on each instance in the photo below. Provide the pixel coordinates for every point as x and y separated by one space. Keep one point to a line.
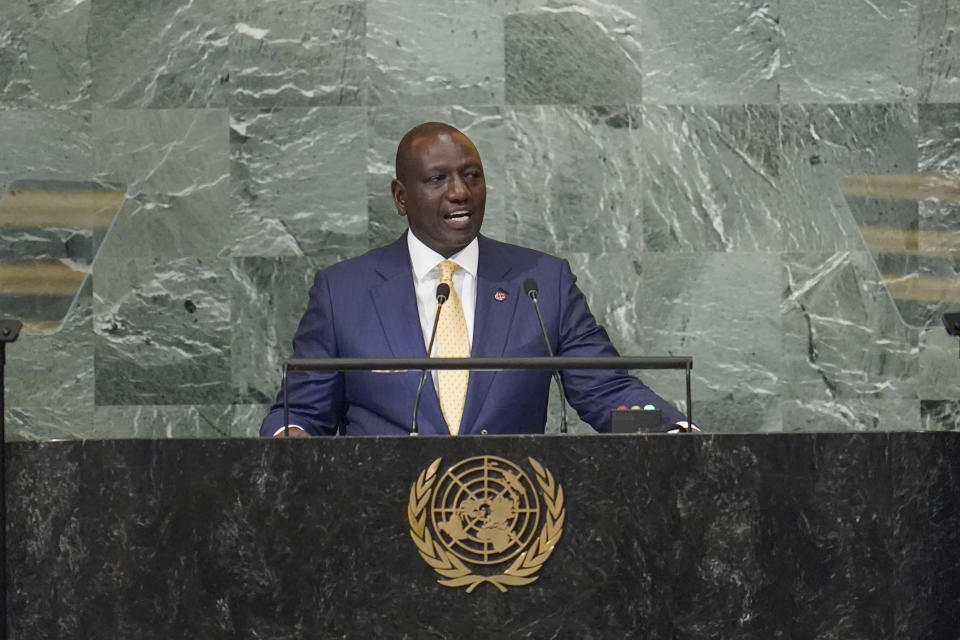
440 186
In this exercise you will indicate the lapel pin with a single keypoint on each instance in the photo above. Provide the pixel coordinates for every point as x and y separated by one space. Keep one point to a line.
500 295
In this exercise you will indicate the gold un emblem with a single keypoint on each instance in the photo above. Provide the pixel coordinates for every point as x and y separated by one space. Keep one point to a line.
483 513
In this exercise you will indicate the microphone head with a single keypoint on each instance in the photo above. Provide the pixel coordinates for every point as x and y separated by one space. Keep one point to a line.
443 292
530 286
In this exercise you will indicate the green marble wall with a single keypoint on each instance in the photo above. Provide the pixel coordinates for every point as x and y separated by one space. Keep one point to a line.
689 157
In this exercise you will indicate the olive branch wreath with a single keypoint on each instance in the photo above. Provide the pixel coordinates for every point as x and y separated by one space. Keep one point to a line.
455 573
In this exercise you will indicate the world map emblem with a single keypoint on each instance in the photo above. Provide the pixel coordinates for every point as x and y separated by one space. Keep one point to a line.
485 520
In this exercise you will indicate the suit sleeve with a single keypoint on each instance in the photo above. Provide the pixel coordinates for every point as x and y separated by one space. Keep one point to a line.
316 397
595 392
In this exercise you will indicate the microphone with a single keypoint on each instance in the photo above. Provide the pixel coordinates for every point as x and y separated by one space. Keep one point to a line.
443 292
530 286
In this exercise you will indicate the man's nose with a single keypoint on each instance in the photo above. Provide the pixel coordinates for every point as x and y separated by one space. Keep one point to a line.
457 188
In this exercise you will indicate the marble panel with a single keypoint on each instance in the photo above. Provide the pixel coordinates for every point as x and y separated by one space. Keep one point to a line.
938 375
938 415
169 54
43 54
722 309
176 167
269 298
298 181
173 151
572 179
584 53
163 421
852 414
939 139
939 153
712 179
923 483
939 39
49 378
927 263
162 226
849 51
163 331
45 145
297 53
614 291
716 53
824 536
849 361
385 128
247 419
435 52
822 145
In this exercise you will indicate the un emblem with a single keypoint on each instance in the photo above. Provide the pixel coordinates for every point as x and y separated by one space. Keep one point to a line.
482 514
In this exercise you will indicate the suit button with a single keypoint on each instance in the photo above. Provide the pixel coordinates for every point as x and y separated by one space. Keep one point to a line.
483 432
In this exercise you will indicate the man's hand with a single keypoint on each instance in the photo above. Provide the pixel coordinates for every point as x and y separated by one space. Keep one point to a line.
295 432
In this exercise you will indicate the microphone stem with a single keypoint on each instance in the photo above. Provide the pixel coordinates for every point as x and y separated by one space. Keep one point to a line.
414 430
556 374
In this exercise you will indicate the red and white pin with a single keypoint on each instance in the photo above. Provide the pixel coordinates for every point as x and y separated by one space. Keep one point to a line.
500 295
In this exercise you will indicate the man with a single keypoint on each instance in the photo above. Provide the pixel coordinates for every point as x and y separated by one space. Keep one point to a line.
383 303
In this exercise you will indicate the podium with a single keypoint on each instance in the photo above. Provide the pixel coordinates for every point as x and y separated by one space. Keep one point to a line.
686 536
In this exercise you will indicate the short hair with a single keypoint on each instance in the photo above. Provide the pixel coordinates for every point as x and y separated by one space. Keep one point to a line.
422 130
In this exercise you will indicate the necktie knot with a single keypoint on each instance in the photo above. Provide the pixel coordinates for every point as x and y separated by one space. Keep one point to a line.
447 267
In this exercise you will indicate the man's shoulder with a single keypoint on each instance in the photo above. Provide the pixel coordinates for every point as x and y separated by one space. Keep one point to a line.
519 261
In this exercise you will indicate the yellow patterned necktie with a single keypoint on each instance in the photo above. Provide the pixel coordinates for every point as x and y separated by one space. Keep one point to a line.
452 342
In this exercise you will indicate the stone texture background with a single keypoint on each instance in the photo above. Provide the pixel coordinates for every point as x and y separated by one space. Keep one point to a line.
689 157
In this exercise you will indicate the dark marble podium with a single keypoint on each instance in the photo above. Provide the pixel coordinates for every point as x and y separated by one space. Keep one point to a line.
754 536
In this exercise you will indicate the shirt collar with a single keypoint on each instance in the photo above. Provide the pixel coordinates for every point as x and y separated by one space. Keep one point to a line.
423 258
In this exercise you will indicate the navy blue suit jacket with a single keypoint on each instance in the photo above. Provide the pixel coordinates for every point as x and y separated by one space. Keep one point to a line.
365 307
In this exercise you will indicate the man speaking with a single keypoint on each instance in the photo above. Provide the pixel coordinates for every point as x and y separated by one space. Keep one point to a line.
384 304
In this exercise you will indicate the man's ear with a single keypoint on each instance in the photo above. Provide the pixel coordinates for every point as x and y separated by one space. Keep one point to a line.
399 196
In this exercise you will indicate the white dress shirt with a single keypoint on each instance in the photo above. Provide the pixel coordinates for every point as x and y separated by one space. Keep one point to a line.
426 277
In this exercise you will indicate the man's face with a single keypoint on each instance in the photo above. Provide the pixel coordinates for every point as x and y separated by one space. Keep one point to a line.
442 191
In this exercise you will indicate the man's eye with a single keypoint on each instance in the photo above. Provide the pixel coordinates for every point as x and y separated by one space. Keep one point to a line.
436 178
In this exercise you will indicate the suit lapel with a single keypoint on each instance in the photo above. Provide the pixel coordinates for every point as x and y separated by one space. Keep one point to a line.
492 321
395 301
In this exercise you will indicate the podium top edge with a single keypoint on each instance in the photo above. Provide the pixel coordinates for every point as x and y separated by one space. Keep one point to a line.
397 365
